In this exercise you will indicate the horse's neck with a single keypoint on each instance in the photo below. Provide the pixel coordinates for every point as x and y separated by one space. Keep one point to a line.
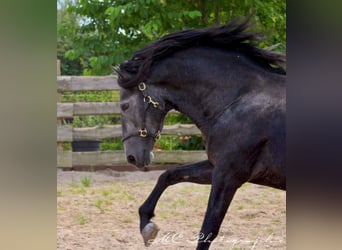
202 87
202 103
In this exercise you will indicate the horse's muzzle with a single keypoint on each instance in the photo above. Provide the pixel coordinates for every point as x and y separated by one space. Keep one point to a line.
142 161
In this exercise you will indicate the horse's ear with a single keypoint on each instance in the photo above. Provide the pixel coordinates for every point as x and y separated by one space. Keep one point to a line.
122 79
117 71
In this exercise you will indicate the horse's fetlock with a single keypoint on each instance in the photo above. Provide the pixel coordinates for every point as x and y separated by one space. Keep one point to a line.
143 211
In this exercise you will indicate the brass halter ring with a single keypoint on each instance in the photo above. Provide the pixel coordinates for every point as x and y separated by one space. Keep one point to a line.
143 133
142 86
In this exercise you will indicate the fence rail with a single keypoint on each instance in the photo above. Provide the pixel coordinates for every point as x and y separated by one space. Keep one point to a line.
75 83
66 133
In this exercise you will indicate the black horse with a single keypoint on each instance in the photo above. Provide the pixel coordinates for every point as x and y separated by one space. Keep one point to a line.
232 90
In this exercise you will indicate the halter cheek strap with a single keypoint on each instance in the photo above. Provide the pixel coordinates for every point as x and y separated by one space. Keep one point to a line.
143 132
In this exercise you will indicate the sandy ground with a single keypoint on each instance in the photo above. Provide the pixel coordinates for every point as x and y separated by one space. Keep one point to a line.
104 214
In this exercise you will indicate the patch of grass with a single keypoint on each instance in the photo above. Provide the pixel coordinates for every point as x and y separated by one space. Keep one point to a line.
127 219
77 189
77 203
72 181
127 196
99 204
187 189
182 202
197 224
164 215
108 202
105 193
86 181
239 207
73 185
244 186
264 195
60 207
81 219
276 220
174 213
111 199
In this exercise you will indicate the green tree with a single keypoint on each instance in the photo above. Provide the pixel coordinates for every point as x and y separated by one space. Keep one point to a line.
108 32
67 23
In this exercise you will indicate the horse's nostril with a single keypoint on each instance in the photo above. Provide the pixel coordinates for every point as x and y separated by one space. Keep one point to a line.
131 159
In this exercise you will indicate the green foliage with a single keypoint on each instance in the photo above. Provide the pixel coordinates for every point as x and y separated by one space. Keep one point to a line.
94 120
111 144
67 23
177 118
193 142
271 18
106 32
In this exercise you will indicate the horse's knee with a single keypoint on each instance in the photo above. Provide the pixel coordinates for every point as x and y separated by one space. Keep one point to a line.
173 176
166 176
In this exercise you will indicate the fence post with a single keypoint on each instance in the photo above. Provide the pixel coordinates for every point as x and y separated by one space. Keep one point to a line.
59 98
58 67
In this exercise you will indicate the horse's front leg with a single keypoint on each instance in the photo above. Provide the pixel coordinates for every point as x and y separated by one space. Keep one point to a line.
228 175
199 172
222 192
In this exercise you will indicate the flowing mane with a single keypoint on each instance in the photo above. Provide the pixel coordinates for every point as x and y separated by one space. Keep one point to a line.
232 36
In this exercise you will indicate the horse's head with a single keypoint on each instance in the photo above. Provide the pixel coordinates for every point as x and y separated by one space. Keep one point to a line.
142 114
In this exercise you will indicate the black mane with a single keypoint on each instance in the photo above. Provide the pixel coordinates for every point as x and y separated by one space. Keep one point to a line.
232 36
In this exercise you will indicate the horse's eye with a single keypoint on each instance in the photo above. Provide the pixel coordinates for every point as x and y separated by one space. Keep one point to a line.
124 106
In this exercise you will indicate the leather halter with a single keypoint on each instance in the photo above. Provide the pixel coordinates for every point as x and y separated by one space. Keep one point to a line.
143 132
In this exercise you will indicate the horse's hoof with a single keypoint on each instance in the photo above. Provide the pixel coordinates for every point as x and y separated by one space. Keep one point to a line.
149 233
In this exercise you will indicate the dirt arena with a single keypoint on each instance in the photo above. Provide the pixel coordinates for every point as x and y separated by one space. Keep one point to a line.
99 210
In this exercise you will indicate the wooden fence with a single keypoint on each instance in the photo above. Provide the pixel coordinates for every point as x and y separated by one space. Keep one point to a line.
67 133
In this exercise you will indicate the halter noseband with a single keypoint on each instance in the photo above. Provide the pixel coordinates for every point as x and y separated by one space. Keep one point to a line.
143 132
